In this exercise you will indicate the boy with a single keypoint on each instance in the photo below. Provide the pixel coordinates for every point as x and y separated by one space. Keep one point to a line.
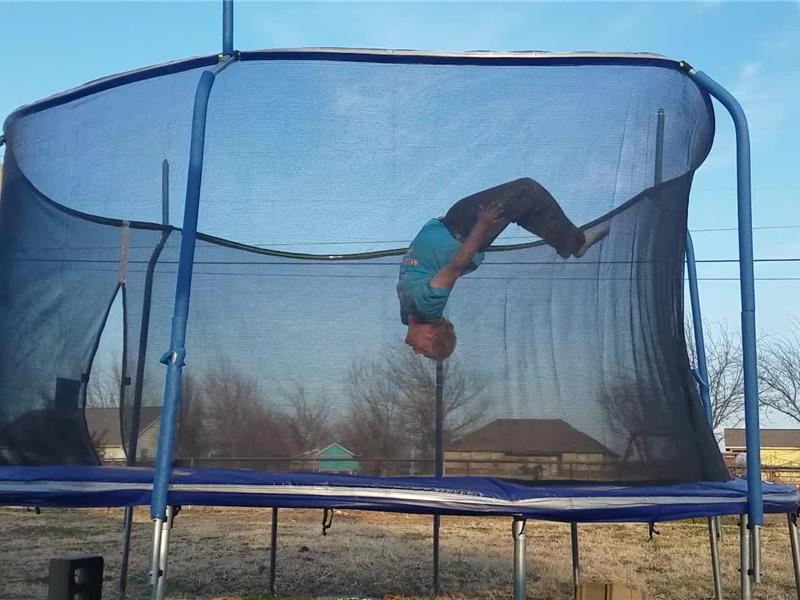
447 248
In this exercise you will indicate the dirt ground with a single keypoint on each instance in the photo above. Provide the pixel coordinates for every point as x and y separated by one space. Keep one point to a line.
221 554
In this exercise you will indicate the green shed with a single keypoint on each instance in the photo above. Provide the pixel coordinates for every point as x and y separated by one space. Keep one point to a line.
335 458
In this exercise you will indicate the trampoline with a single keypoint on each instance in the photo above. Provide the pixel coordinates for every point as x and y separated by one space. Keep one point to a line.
99 487
298 178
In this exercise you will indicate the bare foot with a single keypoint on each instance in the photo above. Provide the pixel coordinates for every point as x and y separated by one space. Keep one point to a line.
593 235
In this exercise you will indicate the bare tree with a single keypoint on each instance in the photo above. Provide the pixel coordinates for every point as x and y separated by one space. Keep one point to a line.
308 419
657 439
393 405
415 378
191 435
104 385
373 421
725 374
779 371
240 420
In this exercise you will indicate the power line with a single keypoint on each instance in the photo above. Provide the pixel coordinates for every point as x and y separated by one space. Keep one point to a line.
393 277
754 188
323 262
703 230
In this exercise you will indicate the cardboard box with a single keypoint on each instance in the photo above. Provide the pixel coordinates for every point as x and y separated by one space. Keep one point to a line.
608 591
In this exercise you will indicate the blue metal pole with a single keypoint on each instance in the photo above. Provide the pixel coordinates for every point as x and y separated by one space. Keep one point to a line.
755 506
701 373
174 357
227 27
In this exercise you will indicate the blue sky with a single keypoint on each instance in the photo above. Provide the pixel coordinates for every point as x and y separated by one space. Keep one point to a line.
751 48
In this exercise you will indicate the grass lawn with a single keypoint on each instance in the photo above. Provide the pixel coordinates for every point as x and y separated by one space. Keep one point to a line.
221 554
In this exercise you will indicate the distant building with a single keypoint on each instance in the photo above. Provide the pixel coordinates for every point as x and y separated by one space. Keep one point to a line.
104 429
779 448
333 458
529 449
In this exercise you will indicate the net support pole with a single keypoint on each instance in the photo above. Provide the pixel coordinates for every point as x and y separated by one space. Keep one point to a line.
136 409
273 550
755 502
793 542
701 372
518 533
165 193
576 564
701 376
438 466
227 27
174 357
658 171
439 424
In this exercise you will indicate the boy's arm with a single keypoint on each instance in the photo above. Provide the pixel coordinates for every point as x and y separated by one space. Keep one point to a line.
487 217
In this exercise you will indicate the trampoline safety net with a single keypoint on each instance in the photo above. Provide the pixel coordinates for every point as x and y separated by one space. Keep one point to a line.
319 169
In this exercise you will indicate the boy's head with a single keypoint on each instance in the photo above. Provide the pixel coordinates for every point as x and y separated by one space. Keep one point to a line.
435 340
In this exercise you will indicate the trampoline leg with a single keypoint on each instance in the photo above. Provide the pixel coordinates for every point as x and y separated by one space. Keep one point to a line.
795 551
273 551
437 523
126 549
518 532
576 565
714 542
744 558
163 550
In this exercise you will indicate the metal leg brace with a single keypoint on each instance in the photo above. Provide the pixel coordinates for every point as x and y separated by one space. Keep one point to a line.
518 532
713 539
158 573
744 559
273 551
795 551
576 565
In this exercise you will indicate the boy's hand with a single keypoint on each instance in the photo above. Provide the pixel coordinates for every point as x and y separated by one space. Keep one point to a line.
490 216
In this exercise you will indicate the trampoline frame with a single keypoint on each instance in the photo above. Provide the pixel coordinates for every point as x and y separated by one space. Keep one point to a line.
162 513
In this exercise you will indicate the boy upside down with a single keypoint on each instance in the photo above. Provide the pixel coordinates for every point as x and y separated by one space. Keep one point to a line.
453 245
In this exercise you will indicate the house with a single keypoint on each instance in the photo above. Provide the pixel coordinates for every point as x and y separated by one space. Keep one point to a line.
333 458
104 429
779 448
529 449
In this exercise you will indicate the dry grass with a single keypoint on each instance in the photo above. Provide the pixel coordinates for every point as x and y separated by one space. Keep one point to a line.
221 554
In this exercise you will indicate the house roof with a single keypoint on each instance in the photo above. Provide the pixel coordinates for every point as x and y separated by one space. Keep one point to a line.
316 452
770 438
529 437
335 445
105 423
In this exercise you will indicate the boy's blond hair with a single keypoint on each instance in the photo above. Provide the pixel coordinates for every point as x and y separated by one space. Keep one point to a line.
444 339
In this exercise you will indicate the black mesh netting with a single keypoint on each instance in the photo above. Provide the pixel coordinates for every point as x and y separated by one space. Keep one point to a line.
565 369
